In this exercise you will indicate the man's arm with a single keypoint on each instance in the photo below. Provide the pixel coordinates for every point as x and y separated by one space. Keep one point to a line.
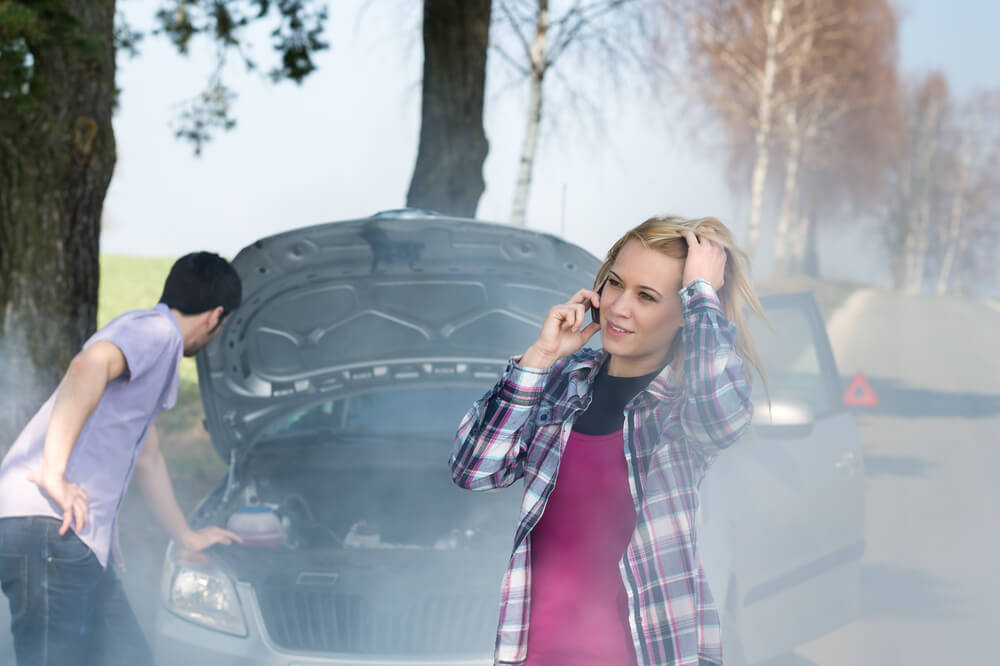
81 389
154 479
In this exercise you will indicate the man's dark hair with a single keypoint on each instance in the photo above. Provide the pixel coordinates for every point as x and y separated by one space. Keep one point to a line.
202 281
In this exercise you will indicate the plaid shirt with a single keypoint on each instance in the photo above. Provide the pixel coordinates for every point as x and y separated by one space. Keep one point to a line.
672 434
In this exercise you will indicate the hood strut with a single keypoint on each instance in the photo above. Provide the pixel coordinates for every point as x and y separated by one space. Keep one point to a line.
230 477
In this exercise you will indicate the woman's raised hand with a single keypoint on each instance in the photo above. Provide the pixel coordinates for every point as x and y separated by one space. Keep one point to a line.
563 331
705 260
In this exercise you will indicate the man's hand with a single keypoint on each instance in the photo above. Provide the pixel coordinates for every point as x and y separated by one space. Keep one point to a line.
68 495
706 260
196 540
79 392
151 472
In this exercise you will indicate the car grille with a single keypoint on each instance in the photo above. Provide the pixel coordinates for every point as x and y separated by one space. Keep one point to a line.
315 618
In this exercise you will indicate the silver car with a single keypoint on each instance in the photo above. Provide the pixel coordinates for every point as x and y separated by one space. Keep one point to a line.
334 394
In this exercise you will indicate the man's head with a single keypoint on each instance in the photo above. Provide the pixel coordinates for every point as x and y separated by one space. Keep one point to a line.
202 288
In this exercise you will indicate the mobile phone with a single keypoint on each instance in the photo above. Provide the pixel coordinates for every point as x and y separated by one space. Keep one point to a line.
595 313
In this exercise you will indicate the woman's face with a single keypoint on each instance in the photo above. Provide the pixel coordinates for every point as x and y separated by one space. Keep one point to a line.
640 309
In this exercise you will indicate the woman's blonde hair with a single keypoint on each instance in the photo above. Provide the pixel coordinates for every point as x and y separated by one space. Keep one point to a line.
666 235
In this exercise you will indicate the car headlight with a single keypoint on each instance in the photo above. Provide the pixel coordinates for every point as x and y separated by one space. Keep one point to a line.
198 591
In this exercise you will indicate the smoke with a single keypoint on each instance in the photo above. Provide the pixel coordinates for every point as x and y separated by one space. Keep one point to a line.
23 391
928 570
23 385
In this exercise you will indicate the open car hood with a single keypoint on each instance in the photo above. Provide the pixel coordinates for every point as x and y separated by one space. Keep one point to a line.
347 307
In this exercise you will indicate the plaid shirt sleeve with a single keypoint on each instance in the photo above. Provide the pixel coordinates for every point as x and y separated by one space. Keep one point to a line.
716 408
490 446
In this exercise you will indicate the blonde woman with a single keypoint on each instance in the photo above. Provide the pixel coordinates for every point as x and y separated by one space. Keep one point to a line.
605 568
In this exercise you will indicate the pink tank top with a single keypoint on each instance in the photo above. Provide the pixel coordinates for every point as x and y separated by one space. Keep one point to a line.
579 609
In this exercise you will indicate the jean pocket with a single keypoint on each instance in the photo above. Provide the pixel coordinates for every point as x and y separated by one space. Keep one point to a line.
68 549
14 580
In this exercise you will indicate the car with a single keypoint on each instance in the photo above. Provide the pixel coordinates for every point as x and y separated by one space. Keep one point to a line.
781 521
334 394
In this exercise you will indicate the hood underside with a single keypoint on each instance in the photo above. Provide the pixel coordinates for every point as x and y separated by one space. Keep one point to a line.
349 307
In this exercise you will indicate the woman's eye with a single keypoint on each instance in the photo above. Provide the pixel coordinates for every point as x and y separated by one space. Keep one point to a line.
646 296
614 283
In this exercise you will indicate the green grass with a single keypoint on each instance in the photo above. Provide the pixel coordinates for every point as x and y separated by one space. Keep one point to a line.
133 283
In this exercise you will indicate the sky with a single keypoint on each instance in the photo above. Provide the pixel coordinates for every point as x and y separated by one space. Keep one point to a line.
343 144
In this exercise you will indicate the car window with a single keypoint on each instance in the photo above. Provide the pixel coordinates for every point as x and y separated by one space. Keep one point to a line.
791 359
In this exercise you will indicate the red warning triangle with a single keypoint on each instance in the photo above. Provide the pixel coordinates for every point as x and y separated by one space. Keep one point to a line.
860 393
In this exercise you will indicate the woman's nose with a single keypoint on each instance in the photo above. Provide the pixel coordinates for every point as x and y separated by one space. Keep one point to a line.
620 306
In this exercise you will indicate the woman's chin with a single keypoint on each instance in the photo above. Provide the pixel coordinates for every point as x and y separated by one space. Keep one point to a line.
620 350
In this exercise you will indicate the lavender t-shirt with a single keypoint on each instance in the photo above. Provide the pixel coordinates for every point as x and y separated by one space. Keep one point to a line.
104 456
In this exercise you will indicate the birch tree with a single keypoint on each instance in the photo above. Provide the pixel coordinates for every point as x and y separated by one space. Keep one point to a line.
974 184
842 76
737 52
842 171
915 191
924 188
543 34
781 75
774 10
944 190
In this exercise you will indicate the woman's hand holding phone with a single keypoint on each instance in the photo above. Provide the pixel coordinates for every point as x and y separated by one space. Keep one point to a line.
563 331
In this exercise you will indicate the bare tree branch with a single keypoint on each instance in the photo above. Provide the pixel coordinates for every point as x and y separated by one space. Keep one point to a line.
515 25
510 60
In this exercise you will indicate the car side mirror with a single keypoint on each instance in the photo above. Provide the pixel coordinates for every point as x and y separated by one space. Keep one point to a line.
787 419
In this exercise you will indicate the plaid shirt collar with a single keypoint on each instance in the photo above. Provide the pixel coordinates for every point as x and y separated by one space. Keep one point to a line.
664 386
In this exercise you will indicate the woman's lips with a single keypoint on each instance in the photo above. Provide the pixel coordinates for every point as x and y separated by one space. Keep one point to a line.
620 333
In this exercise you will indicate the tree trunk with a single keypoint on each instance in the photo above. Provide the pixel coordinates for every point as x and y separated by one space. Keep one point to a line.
808 261
918 238
789 195
913 221
57 153
899 217
539 65
801 241
790 238
897 264
448 176
762 136
921 241
957 200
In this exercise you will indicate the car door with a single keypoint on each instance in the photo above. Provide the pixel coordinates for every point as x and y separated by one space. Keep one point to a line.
783 510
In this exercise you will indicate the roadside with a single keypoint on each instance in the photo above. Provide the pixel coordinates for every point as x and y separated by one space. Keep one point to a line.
830 296
930 565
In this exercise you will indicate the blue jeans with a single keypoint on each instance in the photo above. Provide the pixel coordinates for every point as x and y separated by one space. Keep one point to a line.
66 609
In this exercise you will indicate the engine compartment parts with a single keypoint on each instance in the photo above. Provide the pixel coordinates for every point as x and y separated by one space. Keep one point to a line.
258 526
